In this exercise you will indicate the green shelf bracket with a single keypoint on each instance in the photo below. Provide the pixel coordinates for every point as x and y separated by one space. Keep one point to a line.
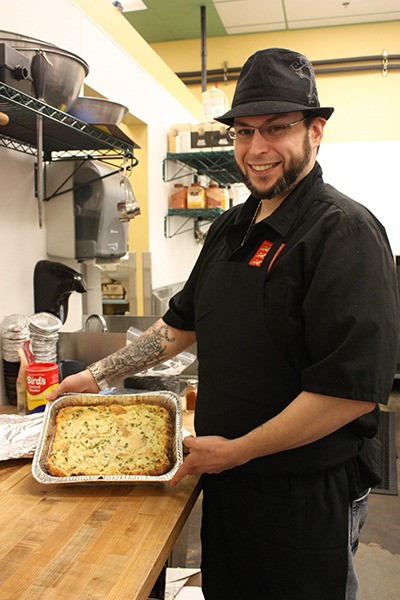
200 217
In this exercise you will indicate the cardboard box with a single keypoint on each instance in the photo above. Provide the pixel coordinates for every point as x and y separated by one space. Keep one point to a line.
113 290
210 136
198 137
201 136
179 138
219 137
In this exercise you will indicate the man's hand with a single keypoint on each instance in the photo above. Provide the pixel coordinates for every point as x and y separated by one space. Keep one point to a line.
207 454
309 417
82 382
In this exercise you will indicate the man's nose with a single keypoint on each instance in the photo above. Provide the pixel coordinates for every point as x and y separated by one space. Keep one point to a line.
258 142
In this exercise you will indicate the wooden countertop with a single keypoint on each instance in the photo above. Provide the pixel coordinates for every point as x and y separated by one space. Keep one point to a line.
86 542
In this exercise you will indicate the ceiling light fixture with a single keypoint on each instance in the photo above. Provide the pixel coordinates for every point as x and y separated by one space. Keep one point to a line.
129 5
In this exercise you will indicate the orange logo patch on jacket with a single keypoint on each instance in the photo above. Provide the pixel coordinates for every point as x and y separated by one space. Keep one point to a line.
265 247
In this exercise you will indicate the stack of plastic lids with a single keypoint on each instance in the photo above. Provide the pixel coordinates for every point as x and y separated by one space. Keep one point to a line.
14 332
44 329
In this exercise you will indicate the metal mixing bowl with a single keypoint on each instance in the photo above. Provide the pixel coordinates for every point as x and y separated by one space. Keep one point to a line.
97 111
64 73
22 40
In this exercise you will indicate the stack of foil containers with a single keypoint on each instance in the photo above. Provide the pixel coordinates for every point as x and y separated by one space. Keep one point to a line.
14 332
44 328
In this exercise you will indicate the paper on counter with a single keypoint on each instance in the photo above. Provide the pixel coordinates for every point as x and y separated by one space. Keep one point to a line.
190 593
174 585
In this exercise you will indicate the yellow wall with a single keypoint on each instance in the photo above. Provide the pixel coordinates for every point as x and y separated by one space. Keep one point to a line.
139 227
366 103
138 231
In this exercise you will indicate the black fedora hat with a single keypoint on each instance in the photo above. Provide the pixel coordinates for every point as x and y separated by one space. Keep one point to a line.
273 81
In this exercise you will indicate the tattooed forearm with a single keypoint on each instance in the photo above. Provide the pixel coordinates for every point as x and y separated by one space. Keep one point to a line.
152 348
164 331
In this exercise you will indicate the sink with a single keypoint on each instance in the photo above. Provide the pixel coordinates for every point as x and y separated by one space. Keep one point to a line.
121 323
90 346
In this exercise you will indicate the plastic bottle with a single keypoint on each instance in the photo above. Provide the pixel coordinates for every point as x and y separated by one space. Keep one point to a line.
214 102
224 197
213 195
196 197
178 197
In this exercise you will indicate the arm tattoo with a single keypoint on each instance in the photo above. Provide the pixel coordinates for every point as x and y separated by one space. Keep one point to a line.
149 350
165 333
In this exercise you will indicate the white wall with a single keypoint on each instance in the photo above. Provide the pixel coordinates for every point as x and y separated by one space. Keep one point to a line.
368 173
22 242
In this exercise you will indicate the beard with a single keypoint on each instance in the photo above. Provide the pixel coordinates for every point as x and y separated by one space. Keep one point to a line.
286 182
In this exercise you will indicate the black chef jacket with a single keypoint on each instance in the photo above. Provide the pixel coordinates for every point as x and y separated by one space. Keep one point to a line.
330 297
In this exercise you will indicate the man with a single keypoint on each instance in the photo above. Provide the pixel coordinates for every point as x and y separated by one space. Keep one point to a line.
293 305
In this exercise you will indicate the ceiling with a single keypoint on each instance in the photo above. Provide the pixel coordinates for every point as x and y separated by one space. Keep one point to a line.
171 20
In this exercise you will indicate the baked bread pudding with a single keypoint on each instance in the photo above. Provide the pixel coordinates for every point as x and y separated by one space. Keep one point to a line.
100 440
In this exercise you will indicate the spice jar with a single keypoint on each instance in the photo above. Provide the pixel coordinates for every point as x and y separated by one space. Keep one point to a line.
191 394
224 197
196 196
178 198
213 196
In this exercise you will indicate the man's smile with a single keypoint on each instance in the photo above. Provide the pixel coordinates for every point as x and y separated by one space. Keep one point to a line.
261 168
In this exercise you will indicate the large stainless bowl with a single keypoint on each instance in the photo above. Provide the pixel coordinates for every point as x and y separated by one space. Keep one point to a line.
63 74
97 111
12 38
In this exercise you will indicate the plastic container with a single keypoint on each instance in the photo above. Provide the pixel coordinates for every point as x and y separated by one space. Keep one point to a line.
178 197
214 102
196 197
224 197
213 196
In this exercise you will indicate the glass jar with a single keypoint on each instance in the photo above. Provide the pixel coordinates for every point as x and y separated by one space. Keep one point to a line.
191 394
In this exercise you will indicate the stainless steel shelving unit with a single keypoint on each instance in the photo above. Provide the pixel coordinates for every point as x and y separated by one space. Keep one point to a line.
62 133
41 130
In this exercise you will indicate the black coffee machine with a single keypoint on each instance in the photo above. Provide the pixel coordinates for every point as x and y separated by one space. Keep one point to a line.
53 284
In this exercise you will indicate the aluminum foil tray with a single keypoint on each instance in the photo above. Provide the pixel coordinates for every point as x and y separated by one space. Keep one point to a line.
168 400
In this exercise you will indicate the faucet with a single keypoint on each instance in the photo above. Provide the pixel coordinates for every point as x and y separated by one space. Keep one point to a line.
99 318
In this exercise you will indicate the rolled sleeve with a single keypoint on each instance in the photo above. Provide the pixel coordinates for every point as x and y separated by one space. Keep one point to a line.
178 315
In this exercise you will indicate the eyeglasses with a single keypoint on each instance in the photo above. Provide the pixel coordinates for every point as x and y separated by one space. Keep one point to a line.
268 132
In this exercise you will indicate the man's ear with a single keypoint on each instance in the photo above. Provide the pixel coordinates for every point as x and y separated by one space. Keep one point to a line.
317 130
